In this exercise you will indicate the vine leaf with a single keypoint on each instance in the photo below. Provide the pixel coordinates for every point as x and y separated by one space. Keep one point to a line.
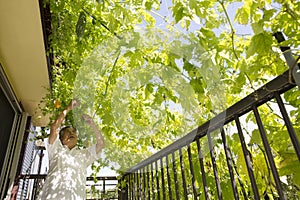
255 138
242 15
257 27
178 11
260 44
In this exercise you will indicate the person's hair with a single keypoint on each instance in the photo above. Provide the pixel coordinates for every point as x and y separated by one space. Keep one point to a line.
62 131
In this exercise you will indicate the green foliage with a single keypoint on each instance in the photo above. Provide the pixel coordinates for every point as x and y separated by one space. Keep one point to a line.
228 47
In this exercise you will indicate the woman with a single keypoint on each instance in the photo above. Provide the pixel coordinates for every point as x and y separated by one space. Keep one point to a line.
66 177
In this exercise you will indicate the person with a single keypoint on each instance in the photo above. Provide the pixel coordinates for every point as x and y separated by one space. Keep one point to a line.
66 177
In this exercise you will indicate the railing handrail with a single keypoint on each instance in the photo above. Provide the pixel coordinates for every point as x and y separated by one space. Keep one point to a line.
88 178
279 84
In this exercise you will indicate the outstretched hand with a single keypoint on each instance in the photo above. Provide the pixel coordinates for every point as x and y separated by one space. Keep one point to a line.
74 103
88 119
59 120
98 133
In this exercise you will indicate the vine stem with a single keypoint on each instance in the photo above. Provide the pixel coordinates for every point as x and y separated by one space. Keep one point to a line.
238 176
231 28
108 80
102 24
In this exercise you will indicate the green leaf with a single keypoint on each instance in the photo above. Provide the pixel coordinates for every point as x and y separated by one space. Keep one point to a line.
242 15
193 4
296 178
255 137
288 164
148 5
260 44
197 85
148 90
149 18
268 14
257 27
178 10
240 80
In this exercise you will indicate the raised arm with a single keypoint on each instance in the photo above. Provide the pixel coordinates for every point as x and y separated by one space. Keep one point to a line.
98 133
60 118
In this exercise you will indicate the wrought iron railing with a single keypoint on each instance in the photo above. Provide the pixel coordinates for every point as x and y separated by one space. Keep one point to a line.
217 161
102 188
97 187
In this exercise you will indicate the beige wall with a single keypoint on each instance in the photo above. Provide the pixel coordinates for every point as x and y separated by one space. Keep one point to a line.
22 53
23 59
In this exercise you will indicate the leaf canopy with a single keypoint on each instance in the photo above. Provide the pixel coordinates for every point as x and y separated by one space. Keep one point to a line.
190 56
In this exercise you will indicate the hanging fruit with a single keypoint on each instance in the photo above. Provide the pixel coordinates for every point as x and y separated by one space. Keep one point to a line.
57 104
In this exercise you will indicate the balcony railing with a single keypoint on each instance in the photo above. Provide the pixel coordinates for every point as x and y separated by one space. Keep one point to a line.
97 187
238 154
226 158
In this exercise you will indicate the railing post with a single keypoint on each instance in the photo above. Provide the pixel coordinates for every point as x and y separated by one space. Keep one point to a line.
162 179
157 180
169 177
290 60
175 176
183 175
123 192
213 161
200 157
269 153
39 171
148 183
192 172
288 125
229 164
247 159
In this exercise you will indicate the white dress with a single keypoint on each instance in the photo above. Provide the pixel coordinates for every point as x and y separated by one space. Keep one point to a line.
66 177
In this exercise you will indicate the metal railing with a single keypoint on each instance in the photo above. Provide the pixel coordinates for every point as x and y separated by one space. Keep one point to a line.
226 158
97 187
102 188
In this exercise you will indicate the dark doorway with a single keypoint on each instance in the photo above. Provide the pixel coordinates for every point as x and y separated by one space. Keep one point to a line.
7 114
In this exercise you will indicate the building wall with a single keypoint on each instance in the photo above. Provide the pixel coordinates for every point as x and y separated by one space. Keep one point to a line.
12 128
